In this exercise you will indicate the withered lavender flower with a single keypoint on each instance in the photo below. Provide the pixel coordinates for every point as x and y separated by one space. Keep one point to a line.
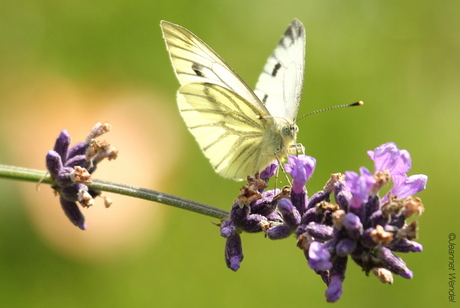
358 225
71 169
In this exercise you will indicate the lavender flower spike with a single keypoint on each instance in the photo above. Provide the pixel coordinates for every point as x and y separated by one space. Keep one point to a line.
346 220
71 169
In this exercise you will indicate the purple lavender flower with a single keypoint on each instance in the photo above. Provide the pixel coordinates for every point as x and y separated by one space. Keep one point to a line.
301 169
389 157
319 257
404 186
336 277
360 225
71 169
256 210
269 171
233 247
334 291
249 214
290 217
233 252
359 185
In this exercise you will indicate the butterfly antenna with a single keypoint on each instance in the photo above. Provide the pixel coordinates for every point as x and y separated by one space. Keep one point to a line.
360 103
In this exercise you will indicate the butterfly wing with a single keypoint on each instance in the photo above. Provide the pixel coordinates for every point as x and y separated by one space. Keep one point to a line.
230 131
194 61
280 85
234 129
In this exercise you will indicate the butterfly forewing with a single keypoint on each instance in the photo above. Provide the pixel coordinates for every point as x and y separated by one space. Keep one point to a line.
280 85
194 61
229 130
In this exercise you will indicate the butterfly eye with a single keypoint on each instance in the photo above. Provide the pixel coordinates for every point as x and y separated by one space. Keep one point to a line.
286 130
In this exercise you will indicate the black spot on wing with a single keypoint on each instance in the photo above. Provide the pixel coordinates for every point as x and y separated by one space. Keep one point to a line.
198 69
276 69
264 100
292 33
288 33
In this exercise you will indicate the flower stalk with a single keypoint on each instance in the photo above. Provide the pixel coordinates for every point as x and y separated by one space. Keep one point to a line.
42 177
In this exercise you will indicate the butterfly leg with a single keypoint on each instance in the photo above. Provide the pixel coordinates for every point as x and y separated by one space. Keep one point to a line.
296 149
280 154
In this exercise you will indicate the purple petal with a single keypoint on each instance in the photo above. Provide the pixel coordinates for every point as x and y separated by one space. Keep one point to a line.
72 212
54 163
269 171
319 257
227 228
252 223
77 149
310 216
402 164
265 206
62 144
238 214
337 275
77 160
345 247
300 201
353 226
394 263
233 252
319 231
300 168
359 186
289 212
404 186
405 245
279 232
343 199
389 157
71 193
317 198
275 217
334 291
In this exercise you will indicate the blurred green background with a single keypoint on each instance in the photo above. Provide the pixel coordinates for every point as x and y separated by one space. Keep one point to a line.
64 63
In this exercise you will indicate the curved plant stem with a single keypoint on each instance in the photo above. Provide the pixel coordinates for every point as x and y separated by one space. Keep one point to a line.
31 175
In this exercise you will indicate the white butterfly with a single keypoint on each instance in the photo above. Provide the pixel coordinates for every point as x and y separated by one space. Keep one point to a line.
239 130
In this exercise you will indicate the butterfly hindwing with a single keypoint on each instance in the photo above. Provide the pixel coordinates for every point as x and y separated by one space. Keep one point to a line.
280 85
229 130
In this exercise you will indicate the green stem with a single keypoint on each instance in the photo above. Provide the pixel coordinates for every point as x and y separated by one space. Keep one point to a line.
31 175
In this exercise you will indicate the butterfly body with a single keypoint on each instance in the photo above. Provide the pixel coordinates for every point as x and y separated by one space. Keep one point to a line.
239 130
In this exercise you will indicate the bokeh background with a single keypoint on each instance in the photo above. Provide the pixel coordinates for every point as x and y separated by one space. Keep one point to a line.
69 64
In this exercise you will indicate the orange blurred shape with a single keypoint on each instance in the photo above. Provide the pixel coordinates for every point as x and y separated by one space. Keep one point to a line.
143 131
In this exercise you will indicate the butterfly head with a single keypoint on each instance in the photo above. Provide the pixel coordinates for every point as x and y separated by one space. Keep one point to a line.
288 133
